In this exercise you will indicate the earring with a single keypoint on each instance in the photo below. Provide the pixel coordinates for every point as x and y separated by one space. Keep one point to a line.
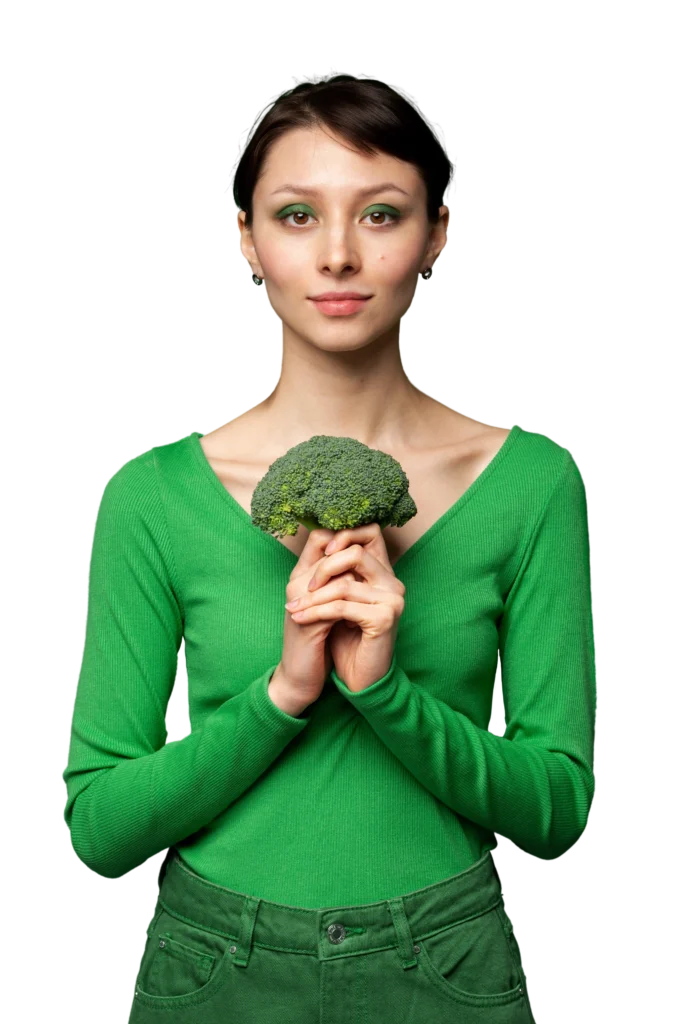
427 273
256 279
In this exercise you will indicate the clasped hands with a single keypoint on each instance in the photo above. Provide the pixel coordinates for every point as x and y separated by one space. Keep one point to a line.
353 587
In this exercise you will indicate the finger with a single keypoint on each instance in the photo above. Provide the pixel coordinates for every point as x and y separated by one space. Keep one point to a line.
361 561
348 589
313 550
370 536
358 535
348 575
373 619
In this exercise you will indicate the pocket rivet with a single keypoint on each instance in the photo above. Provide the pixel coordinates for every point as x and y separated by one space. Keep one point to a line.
162 943
233 949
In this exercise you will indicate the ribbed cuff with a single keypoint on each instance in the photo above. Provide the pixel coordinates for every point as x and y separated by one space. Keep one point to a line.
374 693
268 710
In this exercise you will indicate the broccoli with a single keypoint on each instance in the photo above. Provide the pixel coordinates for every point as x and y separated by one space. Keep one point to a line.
331 482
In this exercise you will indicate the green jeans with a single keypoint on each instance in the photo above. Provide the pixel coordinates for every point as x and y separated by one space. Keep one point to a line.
445 953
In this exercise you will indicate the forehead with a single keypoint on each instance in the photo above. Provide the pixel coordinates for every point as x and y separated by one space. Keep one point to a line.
316 158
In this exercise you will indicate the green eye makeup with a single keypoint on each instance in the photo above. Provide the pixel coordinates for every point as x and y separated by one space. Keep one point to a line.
376 208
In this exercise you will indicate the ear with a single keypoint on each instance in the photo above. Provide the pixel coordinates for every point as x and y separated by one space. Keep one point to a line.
438 237
247 244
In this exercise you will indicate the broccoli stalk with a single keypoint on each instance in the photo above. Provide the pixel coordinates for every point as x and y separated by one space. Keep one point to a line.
334 483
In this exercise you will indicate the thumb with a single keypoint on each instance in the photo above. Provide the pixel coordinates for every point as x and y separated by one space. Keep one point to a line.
314 548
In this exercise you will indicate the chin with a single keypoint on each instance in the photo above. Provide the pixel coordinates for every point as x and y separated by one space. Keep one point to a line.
343 343
339 334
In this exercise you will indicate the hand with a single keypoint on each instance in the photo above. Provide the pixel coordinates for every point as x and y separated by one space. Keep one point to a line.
364 611
306 659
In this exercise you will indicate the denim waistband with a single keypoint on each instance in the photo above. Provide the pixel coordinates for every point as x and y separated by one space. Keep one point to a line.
328 932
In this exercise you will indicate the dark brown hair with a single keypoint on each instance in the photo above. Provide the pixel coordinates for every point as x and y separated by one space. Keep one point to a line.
367 113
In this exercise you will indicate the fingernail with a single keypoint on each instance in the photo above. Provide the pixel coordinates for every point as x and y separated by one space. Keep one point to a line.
292 604
330 547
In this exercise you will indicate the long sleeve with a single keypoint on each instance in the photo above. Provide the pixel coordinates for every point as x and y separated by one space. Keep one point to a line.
535 784
131 794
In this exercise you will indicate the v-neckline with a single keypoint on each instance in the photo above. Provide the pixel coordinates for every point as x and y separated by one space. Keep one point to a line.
416 546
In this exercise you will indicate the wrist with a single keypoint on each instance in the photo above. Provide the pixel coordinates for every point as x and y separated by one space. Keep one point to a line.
284 696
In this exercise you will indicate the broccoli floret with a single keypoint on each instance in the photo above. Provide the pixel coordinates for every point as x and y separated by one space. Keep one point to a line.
331 482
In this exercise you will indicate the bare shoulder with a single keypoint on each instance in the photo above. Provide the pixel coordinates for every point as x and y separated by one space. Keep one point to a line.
240 452
457 440
497 436
463 446
452 452
238 435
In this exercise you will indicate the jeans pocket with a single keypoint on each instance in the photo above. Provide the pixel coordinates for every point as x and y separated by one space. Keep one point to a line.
183 963
473 961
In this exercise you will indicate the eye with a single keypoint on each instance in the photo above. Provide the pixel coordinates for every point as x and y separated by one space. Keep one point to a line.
383 211
295 211
392 215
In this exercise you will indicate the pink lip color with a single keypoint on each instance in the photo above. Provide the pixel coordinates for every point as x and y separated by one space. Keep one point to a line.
339 307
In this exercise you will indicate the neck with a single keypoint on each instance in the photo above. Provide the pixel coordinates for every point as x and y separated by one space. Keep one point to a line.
363 393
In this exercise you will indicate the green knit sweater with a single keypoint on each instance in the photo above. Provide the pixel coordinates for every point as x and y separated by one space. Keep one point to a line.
366 795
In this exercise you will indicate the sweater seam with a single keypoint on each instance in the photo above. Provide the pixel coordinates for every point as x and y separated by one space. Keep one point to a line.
173 567
539 519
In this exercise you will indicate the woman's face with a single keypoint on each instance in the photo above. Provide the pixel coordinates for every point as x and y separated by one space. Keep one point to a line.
329 219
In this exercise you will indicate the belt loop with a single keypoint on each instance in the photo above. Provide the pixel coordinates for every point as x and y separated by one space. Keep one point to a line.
405 939
498 873
247 921
164 861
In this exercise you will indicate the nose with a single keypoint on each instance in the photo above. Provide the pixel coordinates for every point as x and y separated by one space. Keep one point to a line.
339 250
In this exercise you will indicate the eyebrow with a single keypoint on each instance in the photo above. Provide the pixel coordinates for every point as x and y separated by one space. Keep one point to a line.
385 186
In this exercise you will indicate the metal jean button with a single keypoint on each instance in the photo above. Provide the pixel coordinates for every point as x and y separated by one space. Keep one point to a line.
336 933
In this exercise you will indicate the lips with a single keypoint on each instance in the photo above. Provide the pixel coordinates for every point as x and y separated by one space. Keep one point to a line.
338 296
340 305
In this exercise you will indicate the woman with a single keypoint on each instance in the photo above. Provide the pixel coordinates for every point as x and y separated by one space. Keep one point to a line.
330 818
